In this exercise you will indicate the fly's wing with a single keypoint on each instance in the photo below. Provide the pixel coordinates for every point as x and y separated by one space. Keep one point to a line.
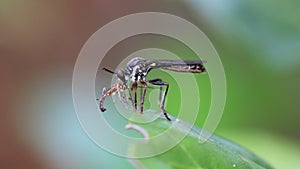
192 66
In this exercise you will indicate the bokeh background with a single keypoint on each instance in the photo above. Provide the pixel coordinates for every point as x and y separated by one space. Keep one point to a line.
258 43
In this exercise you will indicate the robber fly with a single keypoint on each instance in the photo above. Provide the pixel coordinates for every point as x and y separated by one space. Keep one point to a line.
136 73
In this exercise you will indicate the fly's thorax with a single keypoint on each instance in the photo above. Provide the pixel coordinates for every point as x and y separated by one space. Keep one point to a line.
138 73
135 61
137 69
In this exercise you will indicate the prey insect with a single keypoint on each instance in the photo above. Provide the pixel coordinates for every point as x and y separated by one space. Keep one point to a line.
135 75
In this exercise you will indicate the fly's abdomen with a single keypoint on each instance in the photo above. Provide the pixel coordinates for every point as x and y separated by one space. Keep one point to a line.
192 68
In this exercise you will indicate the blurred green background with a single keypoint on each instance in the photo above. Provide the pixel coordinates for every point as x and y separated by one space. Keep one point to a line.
258 43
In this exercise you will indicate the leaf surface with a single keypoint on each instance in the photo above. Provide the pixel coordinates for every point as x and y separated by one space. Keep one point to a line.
215 153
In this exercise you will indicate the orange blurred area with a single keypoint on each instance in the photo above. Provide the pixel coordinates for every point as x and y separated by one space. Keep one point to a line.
38 37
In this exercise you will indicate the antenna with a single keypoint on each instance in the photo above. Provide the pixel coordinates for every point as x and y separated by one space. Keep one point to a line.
108 70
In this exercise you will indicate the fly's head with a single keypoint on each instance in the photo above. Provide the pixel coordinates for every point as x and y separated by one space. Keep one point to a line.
122 77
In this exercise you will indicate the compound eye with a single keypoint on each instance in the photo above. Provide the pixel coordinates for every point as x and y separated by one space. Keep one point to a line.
120 74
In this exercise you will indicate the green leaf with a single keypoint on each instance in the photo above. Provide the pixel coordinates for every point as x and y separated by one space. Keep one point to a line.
215 153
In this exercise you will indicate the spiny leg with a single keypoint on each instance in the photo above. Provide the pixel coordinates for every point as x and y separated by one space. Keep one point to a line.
162 103
133 88
143 96
106 93
103 91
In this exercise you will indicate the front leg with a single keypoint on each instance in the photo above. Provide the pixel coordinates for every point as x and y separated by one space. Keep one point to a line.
106 93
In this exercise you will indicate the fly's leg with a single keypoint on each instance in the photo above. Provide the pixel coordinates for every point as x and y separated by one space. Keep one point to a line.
162 103
143 94
160 89
160 94
133 88
103 91
106 93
